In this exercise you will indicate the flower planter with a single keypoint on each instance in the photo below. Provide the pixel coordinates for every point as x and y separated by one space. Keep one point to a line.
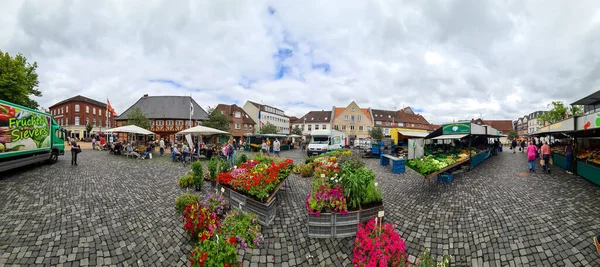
339 226
265 211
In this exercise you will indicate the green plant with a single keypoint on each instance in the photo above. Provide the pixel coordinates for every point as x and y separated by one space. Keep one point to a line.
198 173
426 260
372 194
306 170
185 200
244 227
213 165
186 180
243 158
355 160
223 166
217 251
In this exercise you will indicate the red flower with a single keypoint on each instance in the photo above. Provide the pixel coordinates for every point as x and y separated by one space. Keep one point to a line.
232 240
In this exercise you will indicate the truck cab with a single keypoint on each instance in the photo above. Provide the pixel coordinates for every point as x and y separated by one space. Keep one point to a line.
322 141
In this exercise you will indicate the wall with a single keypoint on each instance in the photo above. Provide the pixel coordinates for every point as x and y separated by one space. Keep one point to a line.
64 114
365 122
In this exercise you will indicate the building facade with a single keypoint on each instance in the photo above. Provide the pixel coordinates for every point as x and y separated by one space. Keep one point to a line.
240 122
74 113
313 120
532 123
353 121
412 120
167 114
386 119
267 113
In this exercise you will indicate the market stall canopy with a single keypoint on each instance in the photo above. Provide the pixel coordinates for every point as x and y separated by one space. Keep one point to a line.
593 99
413 134
130 129
563 126
202 130
450 136
294 136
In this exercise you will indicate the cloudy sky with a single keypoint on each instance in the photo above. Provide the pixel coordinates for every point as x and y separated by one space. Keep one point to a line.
446 59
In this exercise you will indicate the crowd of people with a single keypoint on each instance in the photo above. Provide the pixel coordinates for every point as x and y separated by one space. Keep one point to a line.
540 149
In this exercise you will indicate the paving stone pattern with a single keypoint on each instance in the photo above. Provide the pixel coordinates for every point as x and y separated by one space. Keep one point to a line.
117 211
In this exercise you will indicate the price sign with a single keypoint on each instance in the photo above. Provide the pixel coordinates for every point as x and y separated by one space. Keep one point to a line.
380 214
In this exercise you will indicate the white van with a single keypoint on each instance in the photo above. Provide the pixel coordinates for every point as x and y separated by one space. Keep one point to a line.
322 141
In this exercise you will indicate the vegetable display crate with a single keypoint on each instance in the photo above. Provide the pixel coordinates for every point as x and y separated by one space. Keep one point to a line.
445 177
479 158
589 172
265 212
336 225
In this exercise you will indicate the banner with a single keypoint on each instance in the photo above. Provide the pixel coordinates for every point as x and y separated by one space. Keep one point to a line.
188 138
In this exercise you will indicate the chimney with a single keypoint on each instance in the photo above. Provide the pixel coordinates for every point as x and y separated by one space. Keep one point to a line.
145 95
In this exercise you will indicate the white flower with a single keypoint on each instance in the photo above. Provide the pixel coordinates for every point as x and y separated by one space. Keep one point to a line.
376 184
234 167
331 178
322 175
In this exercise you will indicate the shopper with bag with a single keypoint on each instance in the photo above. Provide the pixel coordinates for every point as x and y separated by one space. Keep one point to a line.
569 154
531 155
513 146
75 149
545 161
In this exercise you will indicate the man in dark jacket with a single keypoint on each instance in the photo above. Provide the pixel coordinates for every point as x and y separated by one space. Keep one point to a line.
513 146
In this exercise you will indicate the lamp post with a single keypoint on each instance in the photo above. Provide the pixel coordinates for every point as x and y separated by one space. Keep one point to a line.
304 127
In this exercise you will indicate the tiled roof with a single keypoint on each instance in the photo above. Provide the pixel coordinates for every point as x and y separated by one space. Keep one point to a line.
167 107
338 111
412 118
385 115
231 109
82 99
259 106
504 126
316 116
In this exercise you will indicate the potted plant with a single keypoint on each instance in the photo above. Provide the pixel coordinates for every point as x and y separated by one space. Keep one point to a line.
198 174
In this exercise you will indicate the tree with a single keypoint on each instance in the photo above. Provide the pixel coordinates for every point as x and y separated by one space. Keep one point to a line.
217 120
376 133
513 135
88 128
138 118
18 80
559 112
296 130
269 128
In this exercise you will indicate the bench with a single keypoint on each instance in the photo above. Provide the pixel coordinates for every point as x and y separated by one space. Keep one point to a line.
397 163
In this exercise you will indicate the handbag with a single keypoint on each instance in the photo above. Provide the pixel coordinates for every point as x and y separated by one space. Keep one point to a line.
520 149
551 161
542 162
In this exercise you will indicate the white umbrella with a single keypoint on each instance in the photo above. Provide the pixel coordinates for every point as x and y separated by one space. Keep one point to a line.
202 130
130 129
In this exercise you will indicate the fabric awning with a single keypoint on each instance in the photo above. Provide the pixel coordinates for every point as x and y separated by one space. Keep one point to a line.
130 129
202 130
450 136
413 134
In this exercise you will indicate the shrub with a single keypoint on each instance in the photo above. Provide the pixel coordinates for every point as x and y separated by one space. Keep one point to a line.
223 165
217 204
243 158
198 173
426 260
244 228
184 200
355 160
376 245
306 170
186 180
240 159
212 166
214 252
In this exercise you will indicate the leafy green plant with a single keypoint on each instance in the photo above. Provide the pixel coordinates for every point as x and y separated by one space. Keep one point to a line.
355 160
217 251
244 227
306 170
186 180
185 200
427 260
213 165
372 194
223 166
198 173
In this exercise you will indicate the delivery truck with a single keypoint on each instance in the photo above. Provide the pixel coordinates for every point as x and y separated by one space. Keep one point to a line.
28 136
322 141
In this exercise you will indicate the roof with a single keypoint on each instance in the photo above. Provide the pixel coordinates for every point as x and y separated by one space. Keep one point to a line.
229 110
385 115
259 106
407 116
81 99
166 107
316 116
593 99
338 111
294 119
504 126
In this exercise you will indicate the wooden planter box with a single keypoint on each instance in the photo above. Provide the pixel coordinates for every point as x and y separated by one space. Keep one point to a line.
265 211
337 225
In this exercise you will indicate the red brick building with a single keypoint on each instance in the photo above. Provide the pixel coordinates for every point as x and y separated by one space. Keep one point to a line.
75 113
240 122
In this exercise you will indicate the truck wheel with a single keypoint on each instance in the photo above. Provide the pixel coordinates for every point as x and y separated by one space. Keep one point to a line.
53 157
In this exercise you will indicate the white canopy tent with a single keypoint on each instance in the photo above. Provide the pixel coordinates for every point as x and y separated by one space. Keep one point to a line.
202 130
130 129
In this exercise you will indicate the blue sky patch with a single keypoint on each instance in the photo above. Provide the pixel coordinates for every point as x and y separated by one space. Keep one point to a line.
418 110
325 67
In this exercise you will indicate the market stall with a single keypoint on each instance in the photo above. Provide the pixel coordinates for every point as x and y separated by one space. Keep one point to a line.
557 135
587 147
254 141
408 142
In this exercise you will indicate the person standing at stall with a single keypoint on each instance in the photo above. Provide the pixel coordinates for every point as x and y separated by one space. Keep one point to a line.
276 147
161 144
531 155
513 146
545 151
569 154
75 149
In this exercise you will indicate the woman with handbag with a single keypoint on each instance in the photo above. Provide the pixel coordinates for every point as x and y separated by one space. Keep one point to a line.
75 149
531 155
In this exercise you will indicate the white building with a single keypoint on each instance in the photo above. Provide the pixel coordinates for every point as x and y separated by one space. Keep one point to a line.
314 120
267 114
532 123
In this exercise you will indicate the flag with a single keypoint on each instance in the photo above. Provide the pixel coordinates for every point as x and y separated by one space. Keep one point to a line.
110 109
191 108
262 123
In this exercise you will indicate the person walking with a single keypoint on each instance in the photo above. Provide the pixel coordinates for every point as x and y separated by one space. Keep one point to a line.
75 149
94 143
569 154
276 147
230 153
545 151
513 146
161 144
531 155
264 147
268 146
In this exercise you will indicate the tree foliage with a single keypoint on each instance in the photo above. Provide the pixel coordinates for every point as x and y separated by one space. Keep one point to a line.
558 112
296 130
376 133
18 80
268 128
513 135
138 118
89 127
217 120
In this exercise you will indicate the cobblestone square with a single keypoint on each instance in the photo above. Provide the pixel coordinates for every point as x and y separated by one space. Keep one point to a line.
116 211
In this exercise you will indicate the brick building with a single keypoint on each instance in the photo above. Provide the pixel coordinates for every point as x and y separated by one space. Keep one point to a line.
76 112
240 122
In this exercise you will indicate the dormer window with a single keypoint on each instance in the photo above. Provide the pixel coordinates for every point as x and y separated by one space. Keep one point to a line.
352 108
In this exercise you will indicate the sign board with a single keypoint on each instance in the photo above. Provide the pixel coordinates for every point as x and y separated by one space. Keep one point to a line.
457 128
561 126
588 122
23 130
477 129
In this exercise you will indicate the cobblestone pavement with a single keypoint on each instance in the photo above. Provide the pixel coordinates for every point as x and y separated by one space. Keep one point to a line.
113 211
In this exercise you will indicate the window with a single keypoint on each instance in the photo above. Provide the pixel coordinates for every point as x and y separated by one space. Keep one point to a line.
67 109
76 119
159 123
87 121
179 122
99 112
245 126
94 123
87 109
67 121
94 111
351 127
401 124
238 114
360 128
352 108
352 119
77 108
187 123
310 127
368 128
169 123
198 123
250 126
378 122
317 127
237 126
343 127
336 127
324 126
359 118
387 123
346 117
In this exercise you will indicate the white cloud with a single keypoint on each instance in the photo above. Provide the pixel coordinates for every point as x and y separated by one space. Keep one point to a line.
452 60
